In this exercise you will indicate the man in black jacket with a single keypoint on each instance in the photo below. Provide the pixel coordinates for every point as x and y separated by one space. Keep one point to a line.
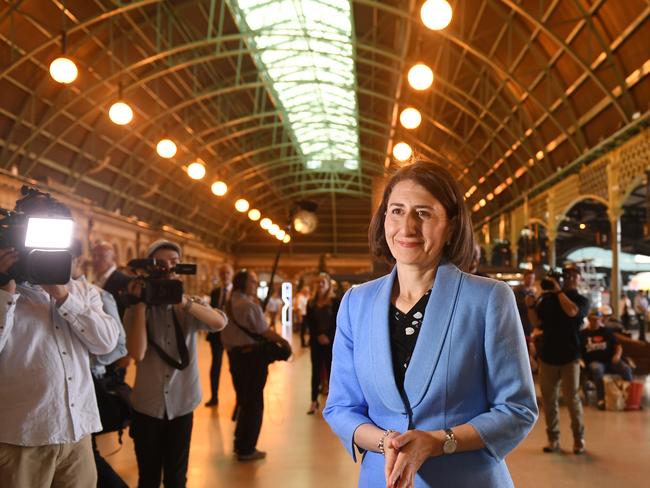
107 276
219 296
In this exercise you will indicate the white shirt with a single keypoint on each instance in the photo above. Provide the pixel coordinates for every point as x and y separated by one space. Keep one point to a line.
101 281
640 304
45 382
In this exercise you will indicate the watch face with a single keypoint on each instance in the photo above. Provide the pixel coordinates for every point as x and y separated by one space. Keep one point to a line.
449 446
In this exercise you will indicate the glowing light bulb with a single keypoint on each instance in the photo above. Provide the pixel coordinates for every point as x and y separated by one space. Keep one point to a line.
402 151
63 70
120 113
254 214
436 14
280 235
242 205
266 223
410 118
166 148
274 229
219 188
286 239
196 170
420 77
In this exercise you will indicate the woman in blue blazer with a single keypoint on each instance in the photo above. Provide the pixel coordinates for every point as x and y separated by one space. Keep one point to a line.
430 377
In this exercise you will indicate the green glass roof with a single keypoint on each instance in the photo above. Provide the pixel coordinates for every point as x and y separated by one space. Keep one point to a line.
305 52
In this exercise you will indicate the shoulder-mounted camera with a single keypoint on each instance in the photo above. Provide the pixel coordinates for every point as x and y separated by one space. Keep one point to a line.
158 288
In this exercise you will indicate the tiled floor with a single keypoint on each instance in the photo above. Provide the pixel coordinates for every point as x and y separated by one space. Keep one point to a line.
302 451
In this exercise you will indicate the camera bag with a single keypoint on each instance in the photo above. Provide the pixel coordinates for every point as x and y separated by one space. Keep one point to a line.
271 350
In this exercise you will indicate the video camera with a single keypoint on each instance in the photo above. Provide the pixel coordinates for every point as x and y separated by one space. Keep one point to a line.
40 229
547 282
158 289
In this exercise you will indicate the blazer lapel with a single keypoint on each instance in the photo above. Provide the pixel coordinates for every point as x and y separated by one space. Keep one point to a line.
380 353
437 318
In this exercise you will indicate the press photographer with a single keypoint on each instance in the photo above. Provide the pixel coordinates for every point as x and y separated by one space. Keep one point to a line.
161 330
47 332
559 313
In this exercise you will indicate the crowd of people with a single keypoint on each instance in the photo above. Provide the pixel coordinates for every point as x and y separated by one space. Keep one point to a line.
428 371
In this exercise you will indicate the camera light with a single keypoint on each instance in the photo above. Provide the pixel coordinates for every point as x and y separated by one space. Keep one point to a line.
63 70
242 205
286 239
254 214
44 233
219 188
266 223
166 148
196 170
274 229
120 113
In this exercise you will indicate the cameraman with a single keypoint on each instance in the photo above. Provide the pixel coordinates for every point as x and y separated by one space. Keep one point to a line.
559 313
48 407
166 390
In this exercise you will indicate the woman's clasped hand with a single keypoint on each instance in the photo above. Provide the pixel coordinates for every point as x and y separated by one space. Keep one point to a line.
406 453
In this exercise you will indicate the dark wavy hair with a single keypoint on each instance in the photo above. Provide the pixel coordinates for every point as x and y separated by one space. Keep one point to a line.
240 280
441 184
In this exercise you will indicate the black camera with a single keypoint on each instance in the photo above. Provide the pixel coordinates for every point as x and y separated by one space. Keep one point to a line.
157 288
547 282
40 229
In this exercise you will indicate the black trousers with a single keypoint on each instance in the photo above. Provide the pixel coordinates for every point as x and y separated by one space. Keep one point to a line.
215 367
321 356
249 371
106 475
161 445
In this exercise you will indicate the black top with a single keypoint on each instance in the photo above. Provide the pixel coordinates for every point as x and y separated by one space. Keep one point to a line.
598 345
404 331
561 333
520 296
321 320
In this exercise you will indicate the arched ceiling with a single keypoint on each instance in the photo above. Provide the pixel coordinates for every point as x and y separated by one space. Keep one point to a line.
522 89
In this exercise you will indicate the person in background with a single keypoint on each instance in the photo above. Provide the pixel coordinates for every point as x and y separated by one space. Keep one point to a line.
321 322
162 340
430 377
527 289
559 313
625 307
274 307
107 276
300 309
602 353
248 366
641 311
219 297
106 475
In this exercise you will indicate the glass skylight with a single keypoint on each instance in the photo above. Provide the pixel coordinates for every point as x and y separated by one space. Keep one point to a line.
305 51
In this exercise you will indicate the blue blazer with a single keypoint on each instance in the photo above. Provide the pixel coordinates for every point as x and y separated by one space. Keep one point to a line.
469 365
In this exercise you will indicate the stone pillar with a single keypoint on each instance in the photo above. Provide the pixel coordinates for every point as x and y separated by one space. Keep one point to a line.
551 237
615 289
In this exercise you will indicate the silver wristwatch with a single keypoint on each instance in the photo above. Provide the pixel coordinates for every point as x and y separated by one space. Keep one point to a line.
450 444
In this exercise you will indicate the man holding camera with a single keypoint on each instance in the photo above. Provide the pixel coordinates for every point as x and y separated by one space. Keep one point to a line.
162 340
48 409
559 313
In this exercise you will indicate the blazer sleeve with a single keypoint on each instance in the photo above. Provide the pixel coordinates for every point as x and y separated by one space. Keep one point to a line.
510 390
346 407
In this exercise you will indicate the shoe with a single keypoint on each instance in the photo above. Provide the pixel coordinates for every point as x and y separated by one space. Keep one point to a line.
553 446
313 408
212 402
253 456
579 446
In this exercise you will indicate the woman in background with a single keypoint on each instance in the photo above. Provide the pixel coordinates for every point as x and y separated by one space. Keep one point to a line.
321 322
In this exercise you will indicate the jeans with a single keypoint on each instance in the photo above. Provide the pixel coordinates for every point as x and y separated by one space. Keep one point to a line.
598 370
550 378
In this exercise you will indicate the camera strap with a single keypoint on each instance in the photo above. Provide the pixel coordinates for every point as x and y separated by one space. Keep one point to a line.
180 344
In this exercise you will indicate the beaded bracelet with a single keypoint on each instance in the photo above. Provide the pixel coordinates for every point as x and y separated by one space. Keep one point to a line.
380 444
